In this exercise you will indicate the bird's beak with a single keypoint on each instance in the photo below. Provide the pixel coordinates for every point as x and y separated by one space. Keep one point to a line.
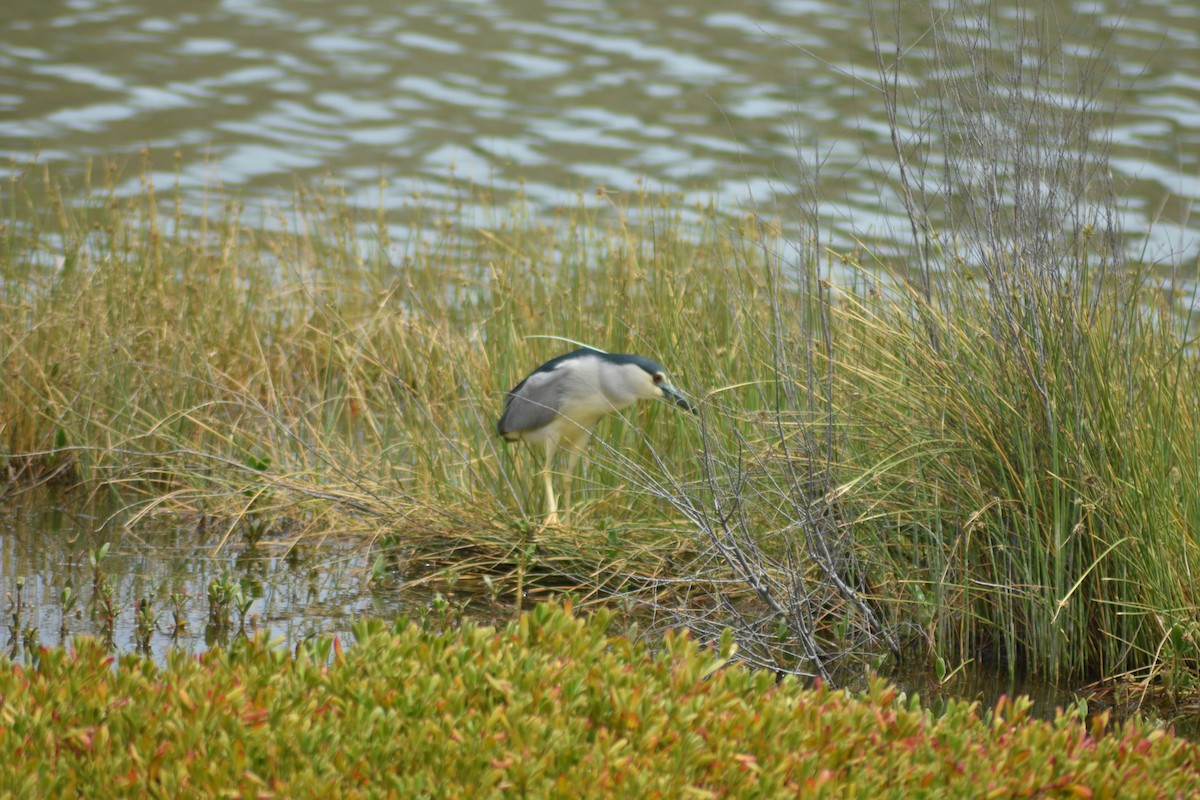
675 397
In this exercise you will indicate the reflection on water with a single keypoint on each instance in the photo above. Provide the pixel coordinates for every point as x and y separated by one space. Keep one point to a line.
702 98
985 686
77 570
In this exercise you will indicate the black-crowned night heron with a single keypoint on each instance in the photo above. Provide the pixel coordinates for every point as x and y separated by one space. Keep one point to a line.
559 403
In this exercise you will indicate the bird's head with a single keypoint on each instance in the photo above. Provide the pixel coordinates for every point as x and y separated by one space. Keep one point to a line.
656 386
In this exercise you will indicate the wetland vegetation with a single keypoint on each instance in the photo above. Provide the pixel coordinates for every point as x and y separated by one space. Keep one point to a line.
549 706
978 450
986 462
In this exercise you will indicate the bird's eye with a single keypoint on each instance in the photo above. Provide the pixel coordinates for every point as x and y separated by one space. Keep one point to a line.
658 377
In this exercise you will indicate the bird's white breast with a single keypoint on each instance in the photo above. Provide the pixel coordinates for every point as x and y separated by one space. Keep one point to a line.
594 388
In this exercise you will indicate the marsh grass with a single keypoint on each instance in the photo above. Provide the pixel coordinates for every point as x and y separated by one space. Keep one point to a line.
1053 397
851 479
302 370
991 456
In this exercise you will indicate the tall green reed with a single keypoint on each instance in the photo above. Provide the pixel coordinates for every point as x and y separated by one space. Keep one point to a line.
1038 379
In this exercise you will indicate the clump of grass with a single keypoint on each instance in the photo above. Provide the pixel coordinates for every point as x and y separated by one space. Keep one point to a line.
1036 387
301 380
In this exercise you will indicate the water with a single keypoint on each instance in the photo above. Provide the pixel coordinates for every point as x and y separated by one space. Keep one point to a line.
53 541
704 99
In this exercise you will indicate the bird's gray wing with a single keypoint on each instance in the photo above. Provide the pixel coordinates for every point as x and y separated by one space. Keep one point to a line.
532 404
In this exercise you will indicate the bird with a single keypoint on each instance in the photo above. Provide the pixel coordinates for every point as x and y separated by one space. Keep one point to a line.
559 403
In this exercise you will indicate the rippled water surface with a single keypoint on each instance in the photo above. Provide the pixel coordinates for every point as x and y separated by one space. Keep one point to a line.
709 99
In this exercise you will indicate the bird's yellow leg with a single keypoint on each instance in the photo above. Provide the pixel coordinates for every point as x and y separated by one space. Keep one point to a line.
551 502
572 462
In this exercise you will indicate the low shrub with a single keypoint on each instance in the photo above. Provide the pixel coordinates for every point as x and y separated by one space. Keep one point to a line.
552 705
